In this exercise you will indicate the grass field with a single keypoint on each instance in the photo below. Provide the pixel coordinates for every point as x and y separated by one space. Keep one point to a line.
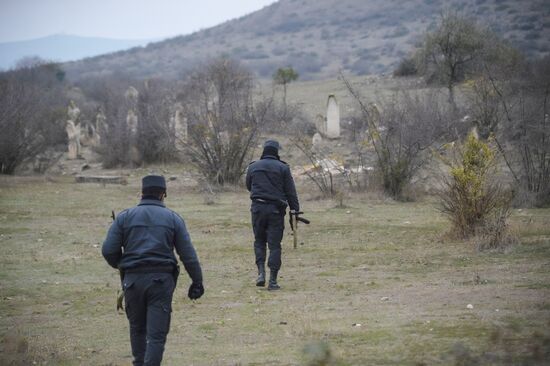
377 282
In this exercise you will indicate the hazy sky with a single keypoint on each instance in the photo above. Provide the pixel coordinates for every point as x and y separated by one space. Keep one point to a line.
122 19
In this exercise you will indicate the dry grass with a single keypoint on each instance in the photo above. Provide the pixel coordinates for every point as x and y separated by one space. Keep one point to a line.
379 264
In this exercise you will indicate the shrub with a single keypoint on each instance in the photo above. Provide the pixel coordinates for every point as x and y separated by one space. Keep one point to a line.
471 198
495 233
406 67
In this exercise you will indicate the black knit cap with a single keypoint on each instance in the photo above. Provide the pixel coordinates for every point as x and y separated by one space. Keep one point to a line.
272 143
157 181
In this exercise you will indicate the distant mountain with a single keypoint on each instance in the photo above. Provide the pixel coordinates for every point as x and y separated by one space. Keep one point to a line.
61 47
320 37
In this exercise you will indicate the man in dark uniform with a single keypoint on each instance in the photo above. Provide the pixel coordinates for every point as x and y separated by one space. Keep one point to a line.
141 243
271 190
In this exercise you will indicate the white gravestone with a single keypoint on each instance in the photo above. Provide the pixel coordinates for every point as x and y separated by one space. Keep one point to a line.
333 118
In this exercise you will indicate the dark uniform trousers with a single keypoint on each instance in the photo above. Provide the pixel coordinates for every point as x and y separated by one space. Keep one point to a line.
268 225
148 298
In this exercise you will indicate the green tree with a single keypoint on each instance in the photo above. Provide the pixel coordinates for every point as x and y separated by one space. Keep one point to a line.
284 76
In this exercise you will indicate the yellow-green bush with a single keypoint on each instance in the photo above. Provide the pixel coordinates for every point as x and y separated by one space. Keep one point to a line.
471 195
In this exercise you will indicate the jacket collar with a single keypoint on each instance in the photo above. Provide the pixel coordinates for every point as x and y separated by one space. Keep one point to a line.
269 157
151 202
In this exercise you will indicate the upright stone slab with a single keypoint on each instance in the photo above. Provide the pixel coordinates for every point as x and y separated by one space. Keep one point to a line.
316 140
132 96
333 118
180 124
73 140
73 131
101 126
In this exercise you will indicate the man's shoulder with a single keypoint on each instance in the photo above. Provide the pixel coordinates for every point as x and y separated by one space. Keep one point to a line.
176 215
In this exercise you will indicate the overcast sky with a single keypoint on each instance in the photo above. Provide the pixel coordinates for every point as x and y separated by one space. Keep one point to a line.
121 19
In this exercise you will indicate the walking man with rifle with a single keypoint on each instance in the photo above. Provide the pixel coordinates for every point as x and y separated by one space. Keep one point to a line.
271 190
141 243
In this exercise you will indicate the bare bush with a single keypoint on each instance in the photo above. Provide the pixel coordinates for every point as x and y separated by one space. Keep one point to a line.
153 140
401 130
223 119
156 140
32 109
496 234
115 134
317 173
406 67
523 93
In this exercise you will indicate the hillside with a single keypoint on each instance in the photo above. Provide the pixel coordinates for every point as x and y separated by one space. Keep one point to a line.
320 37
62 47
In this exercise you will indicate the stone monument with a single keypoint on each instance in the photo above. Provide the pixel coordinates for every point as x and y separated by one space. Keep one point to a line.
73 131
180 124
316 140
333 118
132 96
73 139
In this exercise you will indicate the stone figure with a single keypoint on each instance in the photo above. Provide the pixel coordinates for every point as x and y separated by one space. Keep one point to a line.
132 122
321 124
73 131
132 96
333 118
316 140
101 126
180 124
89 135
73 137
73 112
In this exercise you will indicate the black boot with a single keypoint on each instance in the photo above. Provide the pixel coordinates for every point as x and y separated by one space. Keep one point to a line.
260 281
273 281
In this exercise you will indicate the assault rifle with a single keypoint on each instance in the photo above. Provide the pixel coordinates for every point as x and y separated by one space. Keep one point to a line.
294 219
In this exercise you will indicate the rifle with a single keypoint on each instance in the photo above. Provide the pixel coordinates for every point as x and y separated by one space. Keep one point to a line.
120 293
294 219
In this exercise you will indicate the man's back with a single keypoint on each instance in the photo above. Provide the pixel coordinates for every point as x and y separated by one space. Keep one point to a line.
270 179
149 232
149 235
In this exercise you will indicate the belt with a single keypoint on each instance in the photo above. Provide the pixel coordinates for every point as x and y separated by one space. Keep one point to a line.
150 269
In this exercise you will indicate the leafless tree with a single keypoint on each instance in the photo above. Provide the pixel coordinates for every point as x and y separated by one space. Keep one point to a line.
31 113
223 119
115 135
155 140
523 93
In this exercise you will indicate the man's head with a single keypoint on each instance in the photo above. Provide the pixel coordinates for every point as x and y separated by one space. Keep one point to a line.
271 147
153 185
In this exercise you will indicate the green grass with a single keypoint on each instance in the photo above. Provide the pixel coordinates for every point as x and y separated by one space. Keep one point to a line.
385 266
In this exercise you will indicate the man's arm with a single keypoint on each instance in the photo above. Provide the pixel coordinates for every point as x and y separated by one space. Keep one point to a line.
112 246
186 251
248 179
290 191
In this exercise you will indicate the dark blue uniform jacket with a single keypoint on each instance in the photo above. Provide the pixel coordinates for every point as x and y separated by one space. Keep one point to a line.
270 179
146 235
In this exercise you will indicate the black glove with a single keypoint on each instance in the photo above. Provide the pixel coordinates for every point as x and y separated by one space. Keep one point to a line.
196 290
